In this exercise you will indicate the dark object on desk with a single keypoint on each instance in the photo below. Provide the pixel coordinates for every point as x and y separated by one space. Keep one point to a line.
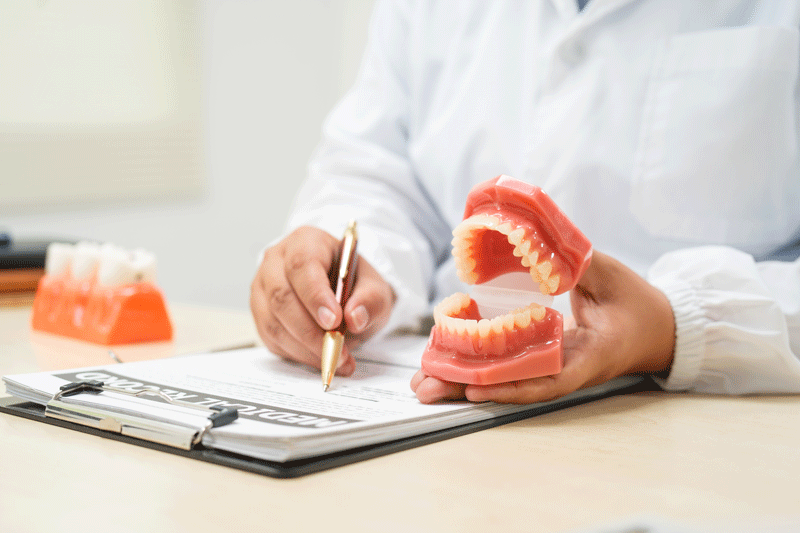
310 465
22 254
21 268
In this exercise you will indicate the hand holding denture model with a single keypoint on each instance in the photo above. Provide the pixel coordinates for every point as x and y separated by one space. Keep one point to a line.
518 248
102 294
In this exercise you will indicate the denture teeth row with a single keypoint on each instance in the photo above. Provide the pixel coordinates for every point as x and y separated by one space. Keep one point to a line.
519 318
465 253
108 264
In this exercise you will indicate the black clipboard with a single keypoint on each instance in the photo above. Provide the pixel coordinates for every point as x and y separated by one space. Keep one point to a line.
310 465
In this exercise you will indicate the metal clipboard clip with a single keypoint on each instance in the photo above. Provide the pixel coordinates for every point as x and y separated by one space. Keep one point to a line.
177 435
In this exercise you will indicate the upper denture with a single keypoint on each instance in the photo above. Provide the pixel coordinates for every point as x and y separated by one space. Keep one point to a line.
512 243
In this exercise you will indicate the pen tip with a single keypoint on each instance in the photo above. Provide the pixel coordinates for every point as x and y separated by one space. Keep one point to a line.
324 387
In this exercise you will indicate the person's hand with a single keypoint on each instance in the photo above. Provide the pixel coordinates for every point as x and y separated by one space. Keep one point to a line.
293 304
622 325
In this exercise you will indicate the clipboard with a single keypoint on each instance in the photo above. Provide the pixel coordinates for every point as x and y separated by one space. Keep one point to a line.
301 467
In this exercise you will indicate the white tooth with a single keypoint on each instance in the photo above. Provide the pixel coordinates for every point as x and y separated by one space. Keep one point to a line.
470 327
516 236
497 324
531 260
544 268
462 230
473 222
525 261
481 221
491 221
467 277
518 252
508 321
462 300
459 242
525 246
145 264
537 312
115 266
483 327
85 260
454 303
58 258
468 263
552 284
505 228
523 318
444 323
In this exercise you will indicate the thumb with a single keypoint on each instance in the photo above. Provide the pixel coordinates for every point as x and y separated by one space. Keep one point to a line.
597 283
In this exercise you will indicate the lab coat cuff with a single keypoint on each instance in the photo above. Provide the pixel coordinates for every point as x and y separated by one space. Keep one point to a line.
690 323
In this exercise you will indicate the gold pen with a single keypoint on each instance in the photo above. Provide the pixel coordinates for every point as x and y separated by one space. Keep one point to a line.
343 277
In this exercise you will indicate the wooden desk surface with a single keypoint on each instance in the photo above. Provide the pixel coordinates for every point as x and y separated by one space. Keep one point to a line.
727 464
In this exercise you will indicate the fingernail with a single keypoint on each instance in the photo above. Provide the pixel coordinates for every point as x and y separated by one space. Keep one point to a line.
326 317
360 318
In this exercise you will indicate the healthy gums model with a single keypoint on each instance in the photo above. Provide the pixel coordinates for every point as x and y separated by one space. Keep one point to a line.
509 228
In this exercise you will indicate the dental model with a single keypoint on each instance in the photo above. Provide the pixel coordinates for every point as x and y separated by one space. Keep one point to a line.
102 294
518 249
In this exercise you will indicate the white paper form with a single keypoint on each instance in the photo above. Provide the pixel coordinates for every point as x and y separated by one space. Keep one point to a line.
283 412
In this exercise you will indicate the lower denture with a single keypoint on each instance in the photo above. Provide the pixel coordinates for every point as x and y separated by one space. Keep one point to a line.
460 326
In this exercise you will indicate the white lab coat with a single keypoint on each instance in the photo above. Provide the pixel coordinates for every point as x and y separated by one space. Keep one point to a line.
667 130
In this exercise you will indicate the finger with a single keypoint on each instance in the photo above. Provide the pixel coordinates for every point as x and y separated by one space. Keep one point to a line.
600 281
371 302
275 336
526 391
417 379
282 321
346 364
575 374
307 307
307 261
430 390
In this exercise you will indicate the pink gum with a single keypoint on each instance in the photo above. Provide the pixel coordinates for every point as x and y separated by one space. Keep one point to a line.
462 359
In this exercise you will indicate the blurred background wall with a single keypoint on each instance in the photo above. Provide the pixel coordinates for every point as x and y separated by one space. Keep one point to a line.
201 116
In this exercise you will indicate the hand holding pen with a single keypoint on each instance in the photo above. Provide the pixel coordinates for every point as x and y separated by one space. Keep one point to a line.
294 305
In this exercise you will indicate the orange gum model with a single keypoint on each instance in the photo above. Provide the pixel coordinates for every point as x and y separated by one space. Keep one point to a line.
108 314
509 227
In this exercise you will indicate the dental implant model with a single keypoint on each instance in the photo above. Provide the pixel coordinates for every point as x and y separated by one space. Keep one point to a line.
102 294
518 249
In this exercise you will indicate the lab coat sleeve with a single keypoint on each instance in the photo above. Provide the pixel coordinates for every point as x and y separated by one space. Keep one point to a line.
737 321
361 171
